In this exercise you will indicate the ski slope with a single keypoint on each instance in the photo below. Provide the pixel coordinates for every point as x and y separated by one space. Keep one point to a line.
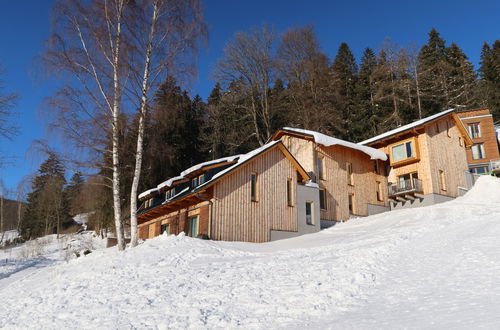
434 267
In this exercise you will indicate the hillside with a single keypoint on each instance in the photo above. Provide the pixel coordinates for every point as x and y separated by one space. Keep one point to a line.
432 267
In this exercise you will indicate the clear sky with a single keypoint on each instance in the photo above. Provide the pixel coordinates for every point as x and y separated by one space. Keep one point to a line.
25 25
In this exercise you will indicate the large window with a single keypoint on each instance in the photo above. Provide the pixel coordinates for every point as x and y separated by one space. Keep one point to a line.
322 199
478 151
309 213
479 170
475 130
350 175
253 187
320 163
403 152
193 226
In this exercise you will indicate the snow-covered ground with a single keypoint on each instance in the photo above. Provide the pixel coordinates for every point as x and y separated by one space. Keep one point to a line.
434 267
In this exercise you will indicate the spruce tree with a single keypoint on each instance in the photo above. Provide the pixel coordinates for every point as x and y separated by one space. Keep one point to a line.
461 78
490 78
344 70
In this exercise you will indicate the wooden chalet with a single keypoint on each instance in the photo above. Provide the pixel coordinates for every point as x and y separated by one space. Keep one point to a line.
427 159
483 157
255 197
351 178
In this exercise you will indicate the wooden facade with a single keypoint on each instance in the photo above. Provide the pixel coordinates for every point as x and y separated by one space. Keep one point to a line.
368 175
486 137
228 212
440 162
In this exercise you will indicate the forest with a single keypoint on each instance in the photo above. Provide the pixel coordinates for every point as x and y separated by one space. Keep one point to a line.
130 122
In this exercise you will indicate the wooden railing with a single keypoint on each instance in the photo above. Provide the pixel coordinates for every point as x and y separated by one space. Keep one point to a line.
405 187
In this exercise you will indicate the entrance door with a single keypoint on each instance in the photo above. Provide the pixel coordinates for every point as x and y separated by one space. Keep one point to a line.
193 226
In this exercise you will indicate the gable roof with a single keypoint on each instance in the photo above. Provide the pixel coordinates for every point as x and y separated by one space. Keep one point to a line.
419 123
328 141
238 160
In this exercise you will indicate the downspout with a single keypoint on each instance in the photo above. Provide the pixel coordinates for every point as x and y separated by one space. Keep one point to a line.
209 229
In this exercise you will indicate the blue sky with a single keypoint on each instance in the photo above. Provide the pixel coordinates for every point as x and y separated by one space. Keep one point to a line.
25 25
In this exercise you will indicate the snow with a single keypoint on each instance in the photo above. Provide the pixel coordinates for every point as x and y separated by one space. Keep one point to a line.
148 192
434 267
241 160
497 129
328 141
169 182
8 236
210 162
407 127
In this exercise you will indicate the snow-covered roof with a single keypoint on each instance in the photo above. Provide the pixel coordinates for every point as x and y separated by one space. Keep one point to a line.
210 162
328 141
185 173
407 127
241 160
169 182
148 192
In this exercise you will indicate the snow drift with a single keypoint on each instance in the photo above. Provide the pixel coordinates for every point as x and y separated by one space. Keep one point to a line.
431 267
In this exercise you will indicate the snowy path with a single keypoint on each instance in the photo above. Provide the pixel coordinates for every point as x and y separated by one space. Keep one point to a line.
431 267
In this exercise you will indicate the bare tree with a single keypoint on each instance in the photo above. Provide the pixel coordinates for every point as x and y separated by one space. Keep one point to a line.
7 103
87 46
163 38
248 58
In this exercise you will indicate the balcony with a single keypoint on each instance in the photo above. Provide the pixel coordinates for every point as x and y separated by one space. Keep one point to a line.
403 187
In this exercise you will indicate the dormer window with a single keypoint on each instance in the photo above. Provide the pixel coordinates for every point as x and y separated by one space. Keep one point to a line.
199 180
195 182
170 193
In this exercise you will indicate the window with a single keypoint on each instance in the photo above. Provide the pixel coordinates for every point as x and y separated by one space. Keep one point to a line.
320 164
475 130
322 199
201 179
289 196
350 175
407 181
351 203
448 131
404 151
478 170
253 187
379 191
478 151
170 193
165 229
309 213
195 182
193 226
442 180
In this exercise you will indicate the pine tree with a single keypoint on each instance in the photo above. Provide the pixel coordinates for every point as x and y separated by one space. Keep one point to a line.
461 78
344 71
47 207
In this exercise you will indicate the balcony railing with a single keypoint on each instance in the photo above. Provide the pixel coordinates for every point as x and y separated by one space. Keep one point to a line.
495 166
405 187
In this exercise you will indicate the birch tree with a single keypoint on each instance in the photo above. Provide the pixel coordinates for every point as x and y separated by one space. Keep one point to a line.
164 36
87 47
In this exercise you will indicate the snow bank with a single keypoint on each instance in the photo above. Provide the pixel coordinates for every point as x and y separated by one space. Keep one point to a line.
430 267
328 141
497 129
486 190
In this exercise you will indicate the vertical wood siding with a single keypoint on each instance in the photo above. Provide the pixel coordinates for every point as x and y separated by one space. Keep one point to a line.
237 218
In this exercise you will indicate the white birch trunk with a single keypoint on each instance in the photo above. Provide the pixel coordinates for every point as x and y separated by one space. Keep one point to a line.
140 133
120 237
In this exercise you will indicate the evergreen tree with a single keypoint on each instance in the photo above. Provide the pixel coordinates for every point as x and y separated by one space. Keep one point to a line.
434 68
461 78
365 119
490 78
344 71
72 192
47 208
